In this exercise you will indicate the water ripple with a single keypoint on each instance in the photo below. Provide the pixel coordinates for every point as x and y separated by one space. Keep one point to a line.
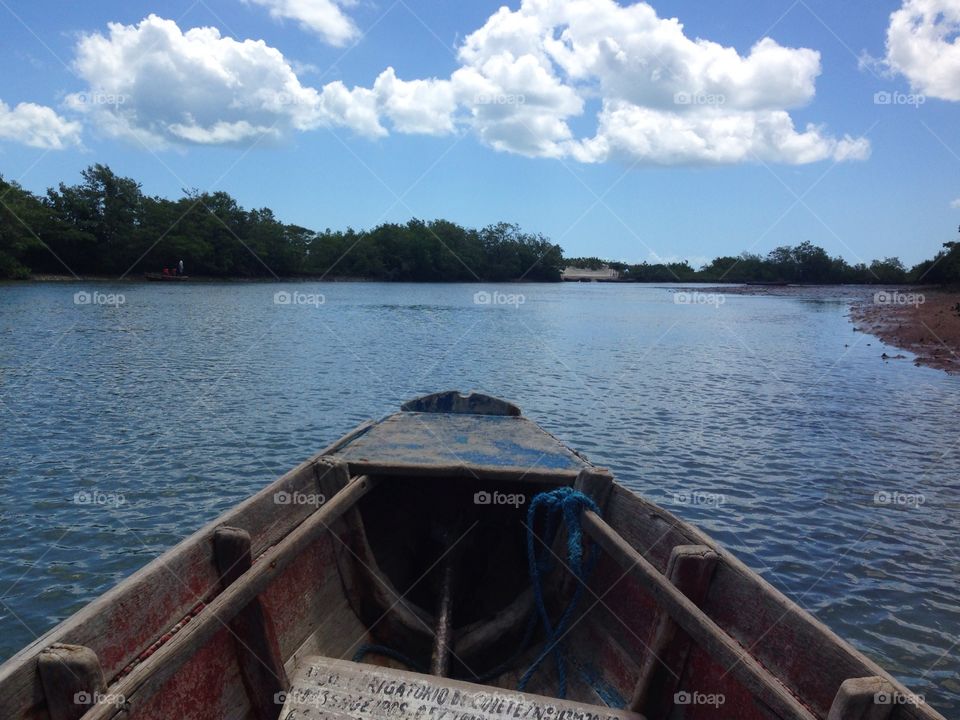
764 420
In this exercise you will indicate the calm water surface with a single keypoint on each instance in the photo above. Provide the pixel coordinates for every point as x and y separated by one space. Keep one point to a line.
766 420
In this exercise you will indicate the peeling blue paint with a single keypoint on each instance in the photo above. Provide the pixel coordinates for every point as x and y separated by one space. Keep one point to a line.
444 439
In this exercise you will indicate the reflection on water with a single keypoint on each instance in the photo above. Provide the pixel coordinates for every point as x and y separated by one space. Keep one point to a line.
766 420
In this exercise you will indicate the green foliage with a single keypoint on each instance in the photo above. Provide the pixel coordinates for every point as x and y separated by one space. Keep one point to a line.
20 212
804 264
105 225
943 269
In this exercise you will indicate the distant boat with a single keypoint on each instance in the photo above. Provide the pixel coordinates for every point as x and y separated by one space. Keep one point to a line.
162 277
407 548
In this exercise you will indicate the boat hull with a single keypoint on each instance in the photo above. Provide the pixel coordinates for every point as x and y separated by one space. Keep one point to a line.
168 644
160 277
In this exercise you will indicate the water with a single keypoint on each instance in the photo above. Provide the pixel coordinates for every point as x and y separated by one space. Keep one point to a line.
765 420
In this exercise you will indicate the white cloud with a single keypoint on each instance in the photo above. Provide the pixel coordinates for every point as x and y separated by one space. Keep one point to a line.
323 17
923 45
524 78
417 106
37 126
955 204
154 83
665 98
712 135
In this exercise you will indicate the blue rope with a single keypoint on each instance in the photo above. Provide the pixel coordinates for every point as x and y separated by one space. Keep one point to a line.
568 505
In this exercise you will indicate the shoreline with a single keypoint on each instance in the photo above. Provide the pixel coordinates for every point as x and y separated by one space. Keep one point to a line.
49 278
923 321
139 279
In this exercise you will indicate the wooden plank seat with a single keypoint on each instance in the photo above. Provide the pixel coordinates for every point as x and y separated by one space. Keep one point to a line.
325 688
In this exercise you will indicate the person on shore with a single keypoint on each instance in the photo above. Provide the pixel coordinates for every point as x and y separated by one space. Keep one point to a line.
180 268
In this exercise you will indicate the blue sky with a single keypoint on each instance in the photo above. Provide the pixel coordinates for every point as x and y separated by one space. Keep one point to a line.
871 180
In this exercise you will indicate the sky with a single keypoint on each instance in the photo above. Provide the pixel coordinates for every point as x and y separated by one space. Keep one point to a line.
674 129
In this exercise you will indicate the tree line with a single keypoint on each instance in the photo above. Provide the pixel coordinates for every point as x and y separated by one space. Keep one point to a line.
106 225
805 263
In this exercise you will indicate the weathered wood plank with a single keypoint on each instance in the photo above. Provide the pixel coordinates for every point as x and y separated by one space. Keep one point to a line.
127 619
595 483
147 677
207 687
435 441
299 601
765 687
758 616
689 570
72 680
325 688
868 698
258 653
454 471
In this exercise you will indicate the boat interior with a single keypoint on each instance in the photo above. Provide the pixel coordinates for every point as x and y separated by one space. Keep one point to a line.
452 550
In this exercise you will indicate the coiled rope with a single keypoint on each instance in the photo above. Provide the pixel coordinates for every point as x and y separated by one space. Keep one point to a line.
564 504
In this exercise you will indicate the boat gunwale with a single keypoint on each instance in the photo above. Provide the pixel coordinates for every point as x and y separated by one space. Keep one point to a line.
791 609
152 571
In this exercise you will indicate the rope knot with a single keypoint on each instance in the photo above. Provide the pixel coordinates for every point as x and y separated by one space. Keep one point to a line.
568 505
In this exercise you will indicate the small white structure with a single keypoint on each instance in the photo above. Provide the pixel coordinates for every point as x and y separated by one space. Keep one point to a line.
579 274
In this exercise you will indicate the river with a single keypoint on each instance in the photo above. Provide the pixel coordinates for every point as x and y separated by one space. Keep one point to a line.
131 414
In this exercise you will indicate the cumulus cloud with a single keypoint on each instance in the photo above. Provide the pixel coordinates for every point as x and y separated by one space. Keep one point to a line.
923 45
416 106
154 83
323 17
37 126
710 136
524 77
664 97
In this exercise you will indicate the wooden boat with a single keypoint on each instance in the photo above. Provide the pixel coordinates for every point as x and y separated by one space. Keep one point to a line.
164 278
389 576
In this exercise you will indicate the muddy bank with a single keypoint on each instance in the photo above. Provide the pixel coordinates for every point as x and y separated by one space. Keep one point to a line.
922 320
